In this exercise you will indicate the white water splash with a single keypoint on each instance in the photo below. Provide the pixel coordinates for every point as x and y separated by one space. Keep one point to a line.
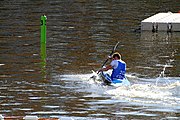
143 93
149 94
168 64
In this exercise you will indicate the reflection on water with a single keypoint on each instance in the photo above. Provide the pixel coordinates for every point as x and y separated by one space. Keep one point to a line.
80 34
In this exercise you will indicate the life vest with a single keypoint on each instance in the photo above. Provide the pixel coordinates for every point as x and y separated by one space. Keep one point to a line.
119 72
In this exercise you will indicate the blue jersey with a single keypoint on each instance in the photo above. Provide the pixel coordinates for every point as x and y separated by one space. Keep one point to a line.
119 69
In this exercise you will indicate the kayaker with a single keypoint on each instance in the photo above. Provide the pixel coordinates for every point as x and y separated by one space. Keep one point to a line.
118 66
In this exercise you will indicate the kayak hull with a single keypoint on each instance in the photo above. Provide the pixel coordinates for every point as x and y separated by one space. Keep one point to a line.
115 82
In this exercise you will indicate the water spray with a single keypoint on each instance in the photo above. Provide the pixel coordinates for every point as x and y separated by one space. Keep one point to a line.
162 74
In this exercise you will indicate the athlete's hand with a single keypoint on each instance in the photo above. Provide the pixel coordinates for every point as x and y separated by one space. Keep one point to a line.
109 57
99 71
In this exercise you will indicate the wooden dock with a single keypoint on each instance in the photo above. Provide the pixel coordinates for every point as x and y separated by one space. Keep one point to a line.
169 22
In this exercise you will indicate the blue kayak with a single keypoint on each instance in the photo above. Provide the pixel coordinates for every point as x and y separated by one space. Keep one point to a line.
115 82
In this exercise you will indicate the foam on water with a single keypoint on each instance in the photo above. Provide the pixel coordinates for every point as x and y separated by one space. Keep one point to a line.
149 93
164 91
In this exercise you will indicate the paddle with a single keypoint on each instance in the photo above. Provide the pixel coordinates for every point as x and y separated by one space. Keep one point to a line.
95 74
113 50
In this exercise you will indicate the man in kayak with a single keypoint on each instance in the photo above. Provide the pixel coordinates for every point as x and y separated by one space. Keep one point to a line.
118 66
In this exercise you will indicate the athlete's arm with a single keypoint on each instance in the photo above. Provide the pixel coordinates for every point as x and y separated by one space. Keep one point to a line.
106 68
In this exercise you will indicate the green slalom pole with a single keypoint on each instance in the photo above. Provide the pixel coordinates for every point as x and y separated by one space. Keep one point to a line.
43 44
43 29
43 37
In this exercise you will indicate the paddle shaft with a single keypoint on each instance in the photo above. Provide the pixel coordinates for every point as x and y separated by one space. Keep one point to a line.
114 48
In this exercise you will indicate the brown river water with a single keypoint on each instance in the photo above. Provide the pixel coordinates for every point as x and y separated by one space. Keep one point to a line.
80 36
